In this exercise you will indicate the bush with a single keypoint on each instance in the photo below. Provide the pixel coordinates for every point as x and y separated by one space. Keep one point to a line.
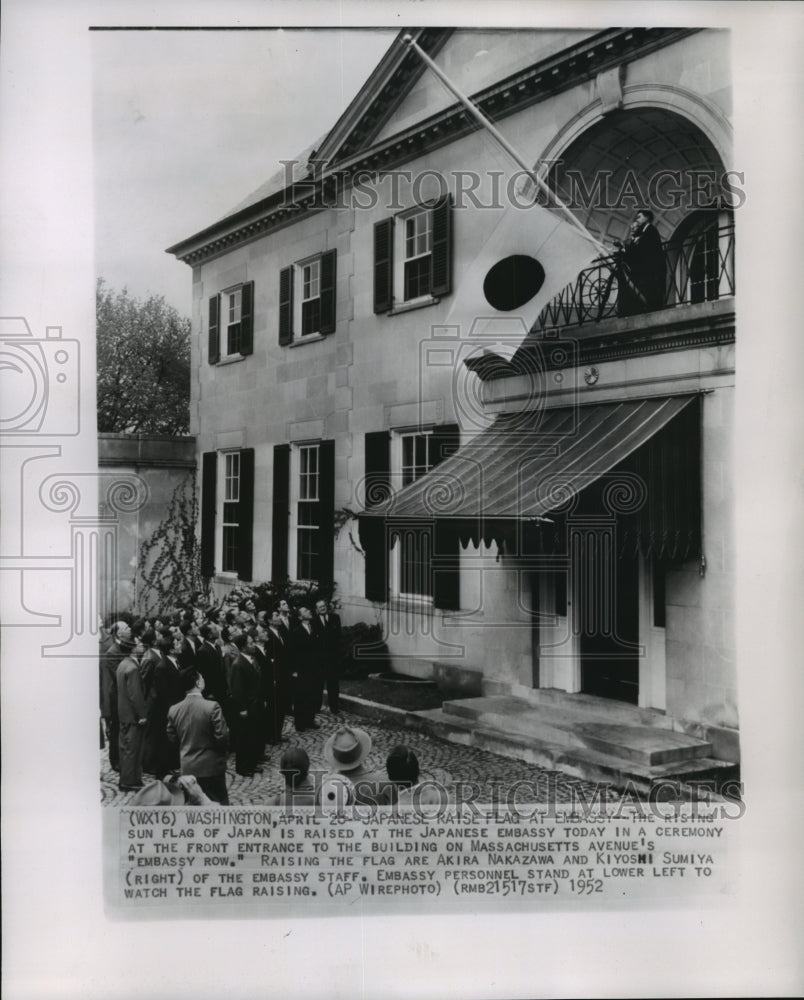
267 595
363 651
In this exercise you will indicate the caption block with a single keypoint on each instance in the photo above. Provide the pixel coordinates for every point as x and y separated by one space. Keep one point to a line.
172 857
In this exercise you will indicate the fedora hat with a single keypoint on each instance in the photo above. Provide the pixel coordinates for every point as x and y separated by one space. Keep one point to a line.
347 748
158 793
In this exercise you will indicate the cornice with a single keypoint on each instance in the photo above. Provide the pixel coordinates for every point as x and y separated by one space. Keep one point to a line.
568 68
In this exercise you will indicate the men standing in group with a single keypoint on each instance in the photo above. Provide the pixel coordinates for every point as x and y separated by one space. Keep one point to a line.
328 627
286 622
247 707
132 713
198 726
168 689
640 266
109 661
305 659
209 663
189 647
282 705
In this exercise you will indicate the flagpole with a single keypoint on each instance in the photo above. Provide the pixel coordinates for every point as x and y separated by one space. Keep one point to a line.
478 115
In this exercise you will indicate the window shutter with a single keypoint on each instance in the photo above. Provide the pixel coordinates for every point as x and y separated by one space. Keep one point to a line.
326 511
209 478
372 530
383 265
445 442
286 305
441 257
377 484
446 572
281 513
446 566
328 280
247 318
214 336
245 515
375 546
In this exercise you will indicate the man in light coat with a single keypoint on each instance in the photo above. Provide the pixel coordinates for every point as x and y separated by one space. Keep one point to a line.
198 726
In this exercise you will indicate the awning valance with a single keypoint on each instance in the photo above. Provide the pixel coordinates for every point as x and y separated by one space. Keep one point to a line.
638 460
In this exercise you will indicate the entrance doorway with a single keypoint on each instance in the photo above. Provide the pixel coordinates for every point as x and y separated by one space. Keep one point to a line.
609 638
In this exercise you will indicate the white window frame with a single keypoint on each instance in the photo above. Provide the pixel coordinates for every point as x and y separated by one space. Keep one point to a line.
296 463
225 320
401 252
299 299
225 480
397 474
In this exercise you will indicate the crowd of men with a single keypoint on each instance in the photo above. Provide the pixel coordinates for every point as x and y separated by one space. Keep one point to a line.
178 693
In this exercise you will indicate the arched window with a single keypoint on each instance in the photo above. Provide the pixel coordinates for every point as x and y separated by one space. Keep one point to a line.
701 257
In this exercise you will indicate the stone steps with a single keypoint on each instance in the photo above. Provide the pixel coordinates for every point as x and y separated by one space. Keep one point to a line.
577 742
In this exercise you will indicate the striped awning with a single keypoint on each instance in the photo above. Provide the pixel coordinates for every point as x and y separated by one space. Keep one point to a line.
634 457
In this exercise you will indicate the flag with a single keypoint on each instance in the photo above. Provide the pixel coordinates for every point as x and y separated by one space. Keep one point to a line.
525 261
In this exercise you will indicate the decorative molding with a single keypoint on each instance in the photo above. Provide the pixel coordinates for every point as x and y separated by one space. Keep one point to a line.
609 86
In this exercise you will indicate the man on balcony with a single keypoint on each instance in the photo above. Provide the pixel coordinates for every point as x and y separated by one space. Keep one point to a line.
640 267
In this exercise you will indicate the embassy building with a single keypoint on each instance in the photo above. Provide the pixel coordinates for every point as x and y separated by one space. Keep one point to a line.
539 513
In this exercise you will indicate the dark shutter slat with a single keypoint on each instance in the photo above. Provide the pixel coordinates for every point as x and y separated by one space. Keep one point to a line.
214 334
383 265
247 318
286 305
326 510
281 512
245 515
441 256
328 280
374 543
377 483
372 530
446 572
209 474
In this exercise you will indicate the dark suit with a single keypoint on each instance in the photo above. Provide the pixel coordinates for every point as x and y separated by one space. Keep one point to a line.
189 651
642 273
282 702
244 688
109 660
209 663
198 726
305 660
131 709
328 629
162 757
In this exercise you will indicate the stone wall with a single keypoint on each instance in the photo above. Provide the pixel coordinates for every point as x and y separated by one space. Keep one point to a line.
162 462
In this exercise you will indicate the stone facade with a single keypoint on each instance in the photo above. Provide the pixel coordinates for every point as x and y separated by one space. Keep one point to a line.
651 99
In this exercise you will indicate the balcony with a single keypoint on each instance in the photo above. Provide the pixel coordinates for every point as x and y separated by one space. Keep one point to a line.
700 269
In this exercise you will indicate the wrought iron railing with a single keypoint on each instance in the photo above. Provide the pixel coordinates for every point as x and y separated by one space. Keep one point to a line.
700 268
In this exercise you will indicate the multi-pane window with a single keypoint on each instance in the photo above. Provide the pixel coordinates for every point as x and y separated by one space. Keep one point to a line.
231 307
415 456
418 248
311 297
231 505
307 529
415 556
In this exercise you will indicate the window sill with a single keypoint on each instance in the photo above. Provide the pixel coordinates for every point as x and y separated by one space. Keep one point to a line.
420 303
230 360
225 578
411 602
310 338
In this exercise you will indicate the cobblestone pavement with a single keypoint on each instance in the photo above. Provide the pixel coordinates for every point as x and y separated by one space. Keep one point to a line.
445 761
